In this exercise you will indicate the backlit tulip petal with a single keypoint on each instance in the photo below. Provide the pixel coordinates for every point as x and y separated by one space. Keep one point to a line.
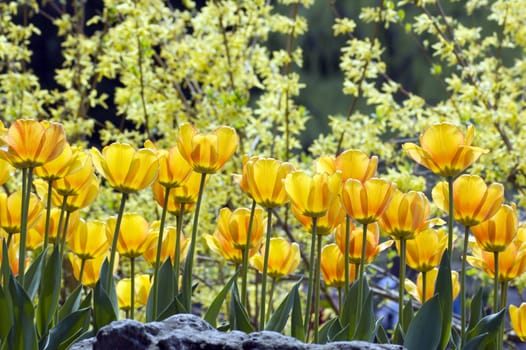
366 202
142 288
518 320
284 258
417 290
372 246
424 252
495 234
10 211
325 224
88 240
333 266
167 246
405 215
133 234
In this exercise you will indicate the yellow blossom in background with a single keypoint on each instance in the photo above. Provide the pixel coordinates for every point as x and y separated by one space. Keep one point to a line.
474 201
333 266
325 224
173 168
495 234
88 240
424 252
373 246
284 258
207 153
168 244
125 168
445 149
366 202
352 163
10 211
142 288
312 196
416 290
30 143
518 320
133 236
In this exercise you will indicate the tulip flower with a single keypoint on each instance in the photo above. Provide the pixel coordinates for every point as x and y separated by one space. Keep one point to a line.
167 246
10 215
518 320
353 164
84 196
86 271
5 171
333 269
60 166
373 247
76 178
324 224
88 240
424 252
12 254
133 236
424 288
54 222
284 258
130 295
173 168
495 234
224 247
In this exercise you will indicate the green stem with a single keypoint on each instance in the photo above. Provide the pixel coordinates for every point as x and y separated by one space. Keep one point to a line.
463 287
450 218
82 266
158 254
48 212
58 235
496 282
177 255
189 263
308 309
27 179
503 304
340 301
132 289
64 235
424 289
271 297
265 268
115 239
346 250
246 250
401 283
362 269
317 291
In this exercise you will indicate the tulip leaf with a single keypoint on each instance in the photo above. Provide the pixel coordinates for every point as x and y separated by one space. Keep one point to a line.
365 326
49 292
33 275
489 324
380 333
71 304
109 289
398 335
175 307
238 314
23 335
68 330
476 309
323 335
349 316
6 310
279 318
475 343
407 315
296 320
103 310
424 331
6 270
165 294
444 289
337 332
215 307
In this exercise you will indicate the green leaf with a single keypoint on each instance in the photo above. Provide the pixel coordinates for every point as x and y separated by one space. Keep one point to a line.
6 310
166 289
33 275
68 330
6 270
49 292
444 289
349 317
337 332
23 335
103 310
71 304
238 315
365 326
296 320
278 320
475 343
379 331
109 289
215 307
424 331
489 324
323 335
175 307
407 315
476 309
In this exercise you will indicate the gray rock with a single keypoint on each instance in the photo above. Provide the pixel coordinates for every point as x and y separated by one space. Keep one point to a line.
189 332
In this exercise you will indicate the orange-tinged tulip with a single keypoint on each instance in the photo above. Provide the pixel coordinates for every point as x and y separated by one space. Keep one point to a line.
185 194
220 245
30 143
417 290
518 320
10 214
125 168
92 267
233 225
495 234
366 202
263 179
512 261
133 238
405 215
445 150
372 246
284 258
60 166
85 195
333 266
89 239
425 251
474 201
312 196
167 246
54 218
207 153
353 164
173 168
12 254
142 288
71 182
326 223
5 171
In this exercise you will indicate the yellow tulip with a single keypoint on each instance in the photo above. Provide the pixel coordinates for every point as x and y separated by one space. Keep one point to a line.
326 223
13 254
168 244
133 238
54 218
173 168
263 179
312 196
353 164
10 211
373 246
405 215
30 143
88 240
207 153
333 266
5 171
425 251
71 182
90 274
125 168
142 288
474 201
416 290
233 225
512 261
495 234
60 166
445 150
84 196
185 194
284 258
366 202
518 320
